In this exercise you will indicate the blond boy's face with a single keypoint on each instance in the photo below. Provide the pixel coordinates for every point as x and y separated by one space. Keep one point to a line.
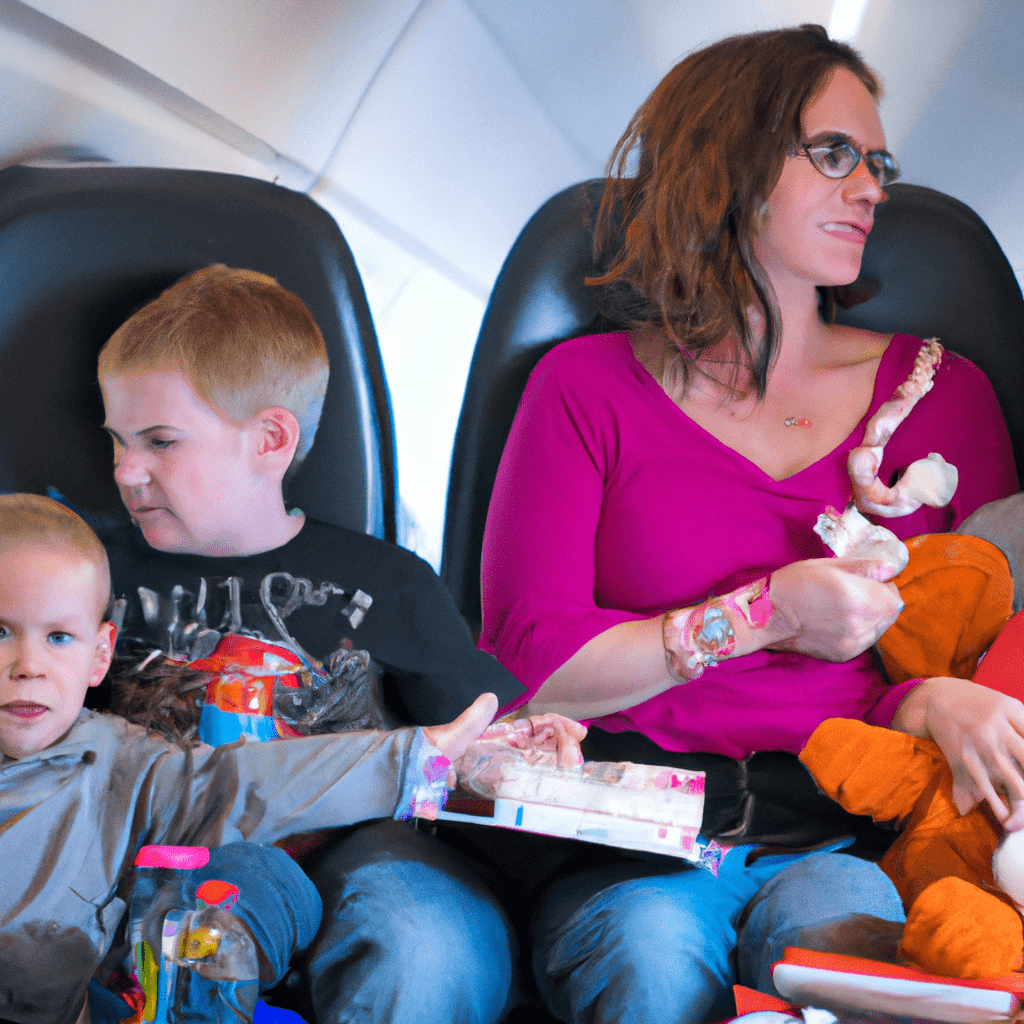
185 472
53 646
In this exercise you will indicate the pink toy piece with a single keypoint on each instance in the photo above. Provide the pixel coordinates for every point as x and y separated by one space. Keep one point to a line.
700 637
930 481
180 858
216 893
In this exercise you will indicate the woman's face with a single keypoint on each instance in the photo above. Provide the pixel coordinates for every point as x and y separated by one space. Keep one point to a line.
815 226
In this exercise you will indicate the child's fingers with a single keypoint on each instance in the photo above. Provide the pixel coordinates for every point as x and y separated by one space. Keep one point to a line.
972 785
1016 819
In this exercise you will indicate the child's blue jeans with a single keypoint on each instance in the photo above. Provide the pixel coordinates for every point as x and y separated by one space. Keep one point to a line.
410 934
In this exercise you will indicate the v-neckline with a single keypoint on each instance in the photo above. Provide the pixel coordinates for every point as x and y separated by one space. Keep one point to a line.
858 428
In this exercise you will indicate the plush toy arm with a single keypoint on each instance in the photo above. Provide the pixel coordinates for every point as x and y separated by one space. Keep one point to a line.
959 930
870 770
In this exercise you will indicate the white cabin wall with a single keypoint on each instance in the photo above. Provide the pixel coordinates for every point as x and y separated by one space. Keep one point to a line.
60 94
968 135
289 72
446 158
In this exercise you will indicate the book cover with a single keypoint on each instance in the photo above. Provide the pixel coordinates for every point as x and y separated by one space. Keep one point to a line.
845 983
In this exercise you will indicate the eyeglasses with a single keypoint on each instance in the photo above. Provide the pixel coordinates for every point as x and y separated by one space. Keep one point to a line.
837 157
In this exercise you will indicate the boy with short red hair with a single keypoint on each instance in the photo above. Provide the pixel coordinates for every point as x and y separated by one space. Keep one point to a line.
212 393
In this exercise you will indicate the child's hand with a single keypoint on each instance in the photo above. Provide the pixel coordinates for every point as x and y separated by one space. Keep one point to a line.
544 739
981 733
505 749
453 739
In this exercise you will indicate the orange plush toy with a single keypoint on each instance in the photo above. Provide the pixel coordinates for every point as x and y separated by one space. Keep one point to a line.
961 878
958 593
959 921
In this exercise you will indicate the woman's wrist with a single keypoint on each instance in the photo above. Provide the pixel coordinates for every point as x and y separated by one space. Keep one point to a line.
722 627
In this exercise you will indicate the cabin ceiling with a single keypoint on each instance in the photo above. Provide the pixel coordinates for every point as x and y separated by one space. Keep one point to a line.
426 113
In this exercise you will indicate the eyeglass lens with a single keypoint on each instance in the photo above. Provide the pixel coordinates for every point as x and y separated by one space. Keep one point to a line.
839 159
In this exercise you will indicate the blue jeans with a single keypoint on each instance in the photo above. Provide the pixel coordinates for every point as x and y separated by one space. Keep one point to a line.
409 933
630 941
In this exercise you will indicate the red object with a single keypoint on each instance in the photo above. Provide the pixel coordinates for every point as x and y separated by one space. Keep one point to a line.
877 969
181 858
237 686
216 893
748 1000
1002 668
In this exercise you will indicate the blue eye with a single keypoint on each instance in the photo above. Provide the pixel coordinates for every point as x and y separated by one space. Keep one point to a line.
161 443
4 634
59 637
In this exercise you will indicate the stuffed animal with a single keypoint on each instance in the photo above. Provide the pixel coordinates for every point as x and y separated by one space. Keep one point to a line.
958 594
960 922
960 878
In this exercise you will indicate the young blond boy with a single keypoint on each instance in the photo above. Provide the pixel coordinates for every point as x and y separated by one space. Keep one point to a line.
212 394
81 792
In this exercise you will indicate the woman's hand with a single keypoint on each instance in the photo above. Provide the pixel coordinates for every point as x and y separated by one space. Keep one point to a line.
981 733
833 608
556 738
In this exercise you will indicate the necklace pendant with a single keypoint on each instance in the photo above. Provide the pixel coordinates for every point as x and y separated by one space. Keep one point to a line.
794 421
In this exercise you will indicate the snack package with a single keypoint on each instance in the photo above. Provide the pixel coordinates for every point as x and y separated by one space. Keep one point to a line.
505 781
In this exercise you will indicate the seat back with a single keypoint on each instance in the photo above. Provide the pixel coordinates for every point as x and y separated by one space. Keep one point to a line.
82 248
931 267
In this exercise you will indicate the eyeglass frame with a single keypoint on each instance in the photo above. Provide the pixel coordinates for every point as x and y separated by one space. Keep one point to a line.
873 158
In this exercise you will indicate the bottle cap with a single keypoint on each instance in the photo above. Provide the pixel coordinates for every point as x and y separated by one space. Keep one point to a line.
179 857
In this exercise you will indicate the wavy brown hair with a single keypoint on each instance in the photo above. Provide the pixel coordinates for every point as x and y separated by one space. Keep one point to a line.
676 233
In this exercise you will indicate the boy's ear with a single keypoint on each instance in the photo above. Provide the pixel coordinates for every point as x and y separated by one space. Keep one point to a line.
104 653
277 436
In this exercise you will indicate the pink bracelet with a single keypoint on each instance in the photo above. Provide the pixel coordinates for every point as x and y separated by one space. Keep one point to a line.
700 637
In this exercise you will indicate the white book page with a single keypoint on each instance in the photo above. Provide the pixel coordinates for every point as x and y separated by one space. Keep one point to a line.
840 990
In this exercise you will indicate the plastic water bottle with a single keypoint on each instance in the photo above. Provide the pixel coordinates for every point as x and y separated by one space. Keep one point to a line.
206 939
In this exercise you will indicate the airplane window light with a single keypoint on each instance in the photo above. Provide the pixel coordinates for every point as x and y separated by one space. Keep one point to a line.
426 329
847 18
426 339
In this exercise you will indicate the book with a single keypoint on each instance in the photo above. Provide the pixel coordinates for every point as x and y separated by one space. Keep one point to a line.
840 983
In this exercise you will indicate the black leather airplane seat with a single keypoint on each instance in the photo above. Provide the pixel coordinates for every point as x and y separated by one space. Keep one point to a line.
81 248
931 267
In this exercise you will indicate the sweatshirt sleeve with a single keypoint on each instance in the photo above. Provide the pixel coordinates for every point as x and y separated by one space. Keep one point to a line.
264 792
538 559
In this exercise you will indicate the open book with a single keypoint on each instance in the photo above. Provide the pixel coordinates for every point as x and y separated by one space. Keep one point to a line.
845 983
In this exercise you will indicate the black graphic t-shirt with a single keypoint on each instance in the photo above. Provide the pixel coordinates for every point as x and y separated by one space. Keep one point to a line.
325 589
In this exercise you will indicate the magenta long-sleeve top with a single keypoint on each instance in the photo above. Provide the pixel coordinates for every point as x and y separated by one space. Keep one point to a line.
612 505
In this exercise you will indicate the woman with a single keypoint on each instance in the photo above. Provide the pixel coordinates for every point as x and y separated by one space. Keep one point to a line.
691 457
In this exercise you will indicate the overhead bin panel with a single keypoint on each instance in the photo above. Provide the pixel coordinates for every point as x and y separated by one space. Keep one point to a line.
290 72
450 143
